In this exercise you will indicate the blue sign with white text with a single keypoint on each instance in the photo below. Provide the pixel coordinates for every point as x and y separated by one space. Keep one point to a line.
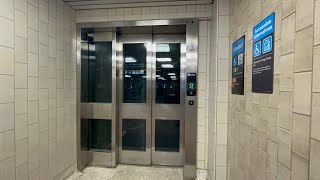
238 48
263 55
264 28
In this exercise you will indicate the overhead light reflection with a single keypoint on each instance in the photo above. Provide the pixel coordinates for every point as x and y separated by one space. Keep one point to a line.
92 48
130 60
171 74
163 48
164 59
167 66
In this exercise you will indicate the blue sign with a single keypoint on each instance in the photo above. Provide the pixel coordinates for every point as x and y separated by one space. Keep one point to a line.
264 28
238 47
257 49
263 55
267 45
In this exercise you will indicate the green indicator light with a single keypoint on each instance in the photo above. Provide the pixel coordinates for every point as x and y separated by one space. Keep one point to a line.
192 86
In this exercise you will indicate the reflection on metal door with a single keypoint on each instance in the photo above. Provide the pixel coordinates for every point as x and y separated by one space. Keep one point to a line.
135 99
151 100
98 99
168 89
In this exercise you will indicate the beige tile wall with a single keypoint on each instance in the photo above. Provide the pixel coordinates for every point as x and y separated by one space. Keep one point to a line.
144 13
37 136
203 79
277 136
218 91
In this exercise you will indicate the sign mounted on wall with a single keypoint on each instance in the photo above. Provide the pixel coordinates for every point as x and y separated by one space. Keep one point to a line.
263 56
238 49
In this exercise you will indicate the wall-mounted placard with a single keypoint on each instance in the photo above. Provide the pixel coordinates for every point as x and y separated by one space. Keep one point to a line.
263 56
238 49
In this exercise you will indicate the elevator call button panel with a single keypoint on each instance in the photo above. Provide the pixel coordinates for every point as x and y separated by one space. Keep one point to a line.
191 84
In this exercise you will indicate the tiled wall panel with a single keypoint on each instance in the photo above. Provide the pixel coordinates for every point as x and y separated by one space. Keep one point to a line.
144 13
27 101
292 142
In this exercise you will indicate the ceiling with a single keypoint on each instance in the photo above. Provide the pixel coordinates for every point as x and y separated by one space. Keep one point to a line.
100 4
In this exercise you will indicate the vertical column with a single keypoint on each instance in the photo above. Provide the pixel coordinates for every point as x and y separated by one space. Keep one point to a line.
21 89
44 88
67 87
315 114
223 89
206 162
52 80
191 111
73 69
211 86
33 89
201 89
60 87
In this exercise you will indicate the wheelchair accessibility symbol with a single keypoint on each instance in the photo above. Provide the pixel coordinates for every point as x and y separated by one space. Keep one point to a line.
267 44
257 49
235 62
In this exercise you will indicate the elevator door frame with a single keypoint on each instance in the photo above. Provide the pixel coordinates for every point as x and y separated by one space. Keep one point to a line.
192 32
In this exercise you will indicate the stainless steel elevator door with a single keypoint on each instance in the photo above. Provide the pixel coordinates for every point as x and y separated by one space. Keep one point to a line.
151 99
168 90
98 99
135 99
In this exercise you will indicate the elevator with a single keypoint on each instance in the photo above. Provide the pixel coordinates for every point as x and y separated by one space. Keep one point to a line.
137 94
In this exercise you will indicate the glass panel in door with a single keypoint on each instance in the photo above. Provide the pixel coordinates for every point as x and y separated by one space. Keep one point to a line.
96 72
168 105
135 100
134 134
168 73
134 73
167 135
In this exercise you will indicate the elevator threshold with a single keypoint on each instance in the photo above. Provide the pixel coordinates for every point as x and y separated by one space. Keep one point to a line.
134 172
130 172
